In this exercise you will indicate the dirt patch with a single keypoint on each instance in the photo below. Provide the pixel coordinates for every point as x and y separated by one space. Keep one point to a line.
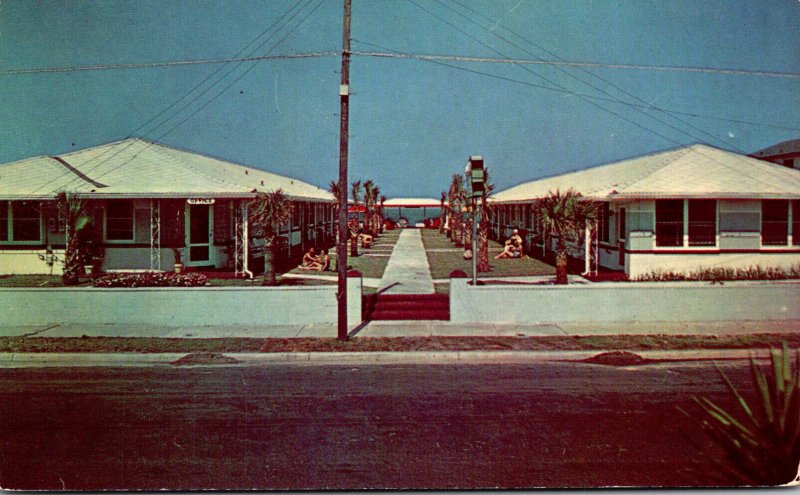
599 343
204 358
616 358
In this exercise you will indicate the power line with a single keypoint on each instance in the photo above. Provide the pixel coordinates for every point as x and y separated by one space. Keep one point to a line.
125 146
593 86
173 63
437 59
237 79
652 131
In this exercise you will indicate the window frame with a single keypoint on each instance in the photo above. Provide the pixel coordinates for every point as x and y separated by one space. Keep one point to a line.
784 239
695 223
660 238
10 222
106 219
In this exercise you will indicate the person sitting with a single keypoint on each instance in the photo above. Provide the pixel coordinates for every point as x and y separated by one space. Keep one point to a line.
517 241
509 251
513 247
310 261
324 261
366 240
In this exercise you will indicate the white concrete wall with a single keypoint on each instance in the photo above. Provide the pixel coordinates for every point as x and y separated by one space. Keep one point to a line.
31 262
684 301
644 264
179 306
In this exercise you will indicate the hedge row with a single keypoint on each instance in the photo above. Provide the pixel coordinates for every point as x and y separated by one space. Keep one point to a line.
151 279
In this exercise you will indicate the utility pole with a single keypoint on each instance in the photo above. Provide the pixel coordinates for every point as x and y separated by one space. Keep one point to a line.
344 124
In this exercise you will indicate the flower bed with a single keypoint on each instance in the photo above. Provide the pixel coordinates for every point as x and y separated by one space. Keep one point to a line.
151 279
719 274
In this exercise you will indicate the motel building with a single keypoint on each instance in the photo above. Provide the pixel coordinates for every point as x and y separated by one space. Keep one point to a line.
677 211
148 201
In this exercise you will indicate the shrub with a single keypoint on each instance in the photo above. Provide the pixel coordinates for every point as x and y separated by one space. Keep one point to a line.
151 279
721 273
762 444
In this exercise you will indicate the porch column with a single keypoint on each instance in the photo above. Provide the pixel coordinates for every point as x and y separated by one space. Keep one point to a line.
155 235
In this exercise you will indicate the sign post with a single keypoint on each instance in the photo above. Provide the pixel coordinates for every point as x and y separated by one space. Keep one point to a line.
476 179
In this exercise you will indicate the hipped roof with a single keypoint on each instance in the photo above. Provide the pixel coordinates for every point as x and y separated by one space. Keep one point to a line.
696 171
135 168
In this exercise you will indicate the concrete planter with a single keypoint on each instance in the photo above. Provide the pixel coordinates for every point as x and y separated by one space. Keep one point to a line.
667 301
178 306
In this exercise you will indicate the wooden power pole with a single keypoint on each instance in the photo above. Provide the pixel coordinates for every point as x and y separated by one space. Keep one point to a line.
344 116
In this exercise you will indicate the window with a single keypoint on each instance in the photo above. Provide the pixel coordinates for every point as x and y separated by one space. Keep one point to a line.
796 222
119 220
3 221
602 222
20 221
669 222
774 222
702 222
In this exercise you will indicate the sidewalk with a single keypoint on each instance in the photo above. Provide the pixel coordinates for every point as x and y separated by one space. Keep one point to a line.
40 360
410 329
407 271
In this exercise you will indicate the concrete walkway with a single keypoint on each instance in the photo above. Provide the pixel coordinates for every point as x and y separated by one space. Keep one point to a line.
409 329
408 271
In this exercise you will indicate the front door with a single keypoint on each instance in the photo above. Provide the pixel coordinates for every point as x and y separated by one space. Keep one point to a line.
200 234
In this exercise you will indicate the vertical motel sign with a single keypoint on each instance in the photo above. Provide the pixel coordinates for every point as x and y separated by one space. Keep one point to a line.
476 177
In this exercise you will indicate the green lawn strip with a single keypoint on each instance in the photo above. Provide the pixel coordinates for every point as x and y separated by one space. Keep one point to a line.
393 344
10 281
432 239
444 262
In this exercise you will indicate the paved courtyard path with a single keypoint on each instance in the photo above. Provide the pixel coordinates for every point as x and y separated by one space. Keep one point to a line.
407 271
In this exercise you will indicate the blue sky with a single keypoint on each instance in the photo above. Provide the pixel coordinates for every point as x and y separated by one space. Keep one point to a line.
413 123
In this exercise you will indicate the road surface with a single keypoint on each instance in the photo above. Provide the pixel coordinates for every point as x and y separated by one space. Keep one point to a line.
351 427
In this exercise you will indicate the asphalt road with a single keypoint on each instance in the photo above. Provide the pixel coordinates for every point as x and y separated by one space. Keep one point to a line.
345 427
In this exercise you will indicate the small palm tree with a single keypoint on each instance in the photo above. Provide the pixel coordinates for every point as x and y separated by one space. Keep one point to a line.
270 210
484 224
442 212
76 218
566 216
456 198
356 192
369 203
380 212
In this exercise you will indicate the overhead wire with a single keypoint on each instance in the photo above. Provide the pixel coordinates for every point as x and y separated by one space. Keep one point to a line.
591 85
389 53
648 129
596 76
126 144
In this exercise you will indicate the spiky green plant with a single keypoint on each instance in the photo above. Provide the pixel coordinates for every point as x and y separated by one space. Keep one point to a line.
270 210
76 218
762 445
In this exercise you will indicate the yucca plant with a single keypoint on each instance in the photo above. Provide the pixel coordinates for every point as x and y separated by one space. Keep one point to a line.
762 445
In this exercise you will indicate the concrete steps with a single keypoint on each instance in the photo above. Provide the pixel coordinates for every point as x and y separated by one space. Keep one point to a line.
406 307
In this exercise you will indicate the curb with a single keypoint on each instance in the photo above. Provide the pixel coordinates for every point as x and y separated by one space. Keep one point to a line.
37 360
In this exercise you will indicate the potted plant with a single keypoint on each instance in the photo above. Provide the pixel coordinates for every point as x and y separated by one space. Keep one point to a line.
177 234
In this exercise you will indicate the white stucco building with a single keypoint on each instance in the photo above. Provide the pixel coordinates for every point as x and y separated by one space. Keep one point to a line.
147 200
679 210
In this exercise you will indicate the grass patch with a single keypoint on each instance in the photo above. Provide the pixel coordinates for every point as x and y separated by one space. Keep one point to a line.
432 239
444 262
37 281
396 344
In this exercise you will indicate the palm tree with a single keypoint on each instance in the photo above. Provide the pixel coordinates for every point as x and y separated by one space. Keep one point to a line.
566 216
376 211
442 212
76 220
353 226
456 198
484 224
380 213
270 210
369 202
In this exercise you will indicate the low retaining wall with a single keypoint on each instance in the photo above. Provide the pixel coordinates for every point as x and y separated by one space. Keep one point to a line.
179 306
681 301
